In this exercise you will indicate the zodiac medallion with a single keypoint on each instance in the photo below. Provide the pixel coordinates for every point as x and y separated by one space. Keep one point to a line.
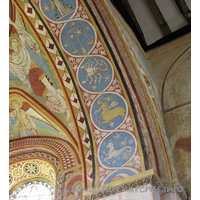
95 74
58 10
108 111
117 175
78 37
117 149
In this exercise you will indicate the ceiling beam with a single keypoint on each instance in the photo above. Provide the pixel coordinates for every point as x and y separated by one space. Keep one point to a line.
133 18
159 17
125 10
185 11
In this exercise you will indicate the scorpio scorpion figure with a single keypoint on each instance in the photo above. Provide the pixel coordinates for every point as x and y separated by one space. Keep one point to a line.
91 71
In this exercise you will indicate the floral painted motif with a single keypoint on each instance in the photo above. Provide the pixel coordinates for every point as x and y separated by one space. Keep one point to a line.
31 168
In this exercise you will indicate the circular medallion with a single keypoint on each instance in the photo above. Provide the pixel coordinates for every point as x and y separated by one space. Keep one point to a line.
58 10
44 169
117 149
31 168
95 74
78 38
17 172
108 111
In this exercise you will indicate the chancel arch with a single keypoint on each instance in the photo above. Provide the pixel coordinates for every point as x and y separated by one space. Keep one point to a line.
82 99
30 170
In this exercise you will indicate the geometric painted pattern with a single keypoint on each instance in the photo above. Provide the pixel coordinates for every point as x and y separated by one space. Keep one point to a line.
75 101
117 42
59 64
29 10
66 156
27 169
67 81
67 162
129 186
65 153
80 119
90 175
86 140
39 27
31 168
50 46
34 155
88 157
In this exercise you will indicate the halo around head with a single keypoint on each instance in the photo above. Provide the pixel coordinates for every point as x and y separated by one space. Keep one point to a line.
11 39
15 98
78 183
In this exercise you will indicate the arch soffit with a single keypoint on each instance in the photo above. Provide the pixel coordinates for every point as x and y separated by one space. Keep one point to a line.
59 148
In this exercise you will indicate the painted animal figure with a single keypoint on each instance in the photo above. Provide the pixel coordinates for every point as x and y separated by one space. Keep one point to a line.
112 152
91 71
112 114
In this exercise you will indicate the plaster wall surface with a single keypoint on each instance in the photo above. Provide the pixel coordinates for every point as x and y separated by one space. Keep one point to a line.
161 58
170 65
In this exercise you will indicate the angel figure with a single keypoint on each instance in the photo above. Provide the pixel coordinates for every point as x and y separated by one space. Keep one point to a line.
19 59
19 120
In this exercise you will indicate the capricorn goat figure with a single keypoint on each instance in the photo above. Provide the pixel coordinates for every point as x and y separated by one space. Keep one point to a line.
112 152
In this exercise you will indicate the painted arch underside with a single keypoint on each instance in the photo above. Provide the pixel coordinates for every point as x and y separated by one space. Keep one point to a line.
70 101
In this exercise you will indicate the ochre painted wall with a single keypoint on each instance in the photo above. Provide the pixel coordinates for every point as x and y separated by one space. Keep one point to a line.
170 65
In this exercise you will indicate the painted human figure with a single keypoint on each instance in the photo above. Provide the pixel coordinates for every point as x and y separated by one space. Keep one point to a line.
61 8
19 59
21 65
77 192
42 85
19 120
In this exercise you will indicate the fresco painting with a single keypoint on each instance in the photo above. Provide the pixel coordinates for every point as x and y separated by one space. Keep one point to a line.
95 74
29 70
21 66
25 121
19 120
117 175
108 111
78 37
73 187
31 168
58 10
34 73
36 76
116 149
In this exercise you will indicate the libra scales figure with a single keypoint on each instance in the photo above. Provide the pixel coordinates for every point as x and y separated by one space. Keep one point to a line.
78 39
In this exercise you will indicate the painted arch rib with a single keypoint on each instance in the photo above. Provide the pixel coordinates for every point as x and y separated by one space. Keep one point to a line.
67 154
